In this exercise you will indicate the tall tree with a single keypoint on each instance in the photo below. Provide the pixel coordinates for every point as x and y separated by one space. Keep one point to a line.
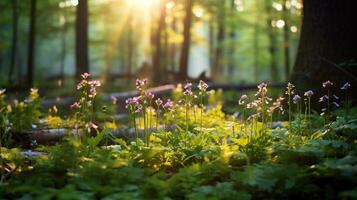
82 64
328 45
64 43
31 45
158 48
232 35
286 40
272 42
185 50
14 40
219 52
256 44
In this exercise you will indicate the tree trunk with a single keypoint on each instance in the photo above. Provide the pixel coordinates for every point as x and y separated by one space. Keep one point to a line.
286 41
64 44
256 50
185 50
173 46
158 50
328 46
272 43
129 65
211 46
14 41
31 46
232 35
219 53
82 64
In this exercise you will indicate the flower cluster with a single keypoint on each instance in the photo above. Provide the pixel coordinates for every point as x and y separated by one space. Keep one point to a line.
84 107
243 99
133 104
187 89
328 99
278 104
141 84
308 93
262 89
202 86
296 98
169 105
346 86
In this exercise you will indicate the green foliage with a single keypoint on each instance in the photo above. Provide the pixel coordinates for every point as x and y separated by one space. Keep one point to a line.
220 157
25 114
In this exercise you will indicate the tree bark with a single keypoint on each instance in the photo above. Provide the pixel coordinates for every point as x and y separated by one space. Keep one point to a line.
185 50
328 46
82 64
129 65
31 46
272 43
173 46
219 53
64 44
14 41
286 41
158 48
232 35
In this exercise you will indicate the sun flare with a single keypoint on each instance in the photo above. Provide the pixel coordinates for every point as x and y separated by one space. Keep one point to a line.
144 4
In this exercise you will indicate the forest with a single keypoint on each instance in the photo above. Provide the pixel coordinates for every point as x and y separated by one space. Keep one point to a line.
178 99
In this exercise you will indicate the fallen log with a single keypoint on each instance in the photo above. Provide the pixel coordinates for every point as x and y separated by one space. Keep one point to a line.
51 136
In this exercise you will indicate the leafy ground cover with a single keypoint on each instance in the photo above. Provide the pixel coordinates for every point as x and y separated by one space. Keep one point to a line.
209 154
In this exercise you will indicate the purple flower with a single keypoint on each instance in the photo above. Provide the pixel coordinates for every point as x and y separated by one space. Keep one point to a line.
296 98
141 84
94 83
188 86
202 86
346 86
149 95
279 103
243 99
262 89
132 102
336 104
336 97
159 102
93 90
75 105
188 89
327 84
323 98
308 93
114 99
169 105
85 75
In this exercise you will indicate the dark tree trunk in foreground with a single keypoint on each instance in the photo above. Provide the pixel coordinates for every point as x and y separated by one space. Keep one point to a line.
31 46
82 64
14 41
185 50
328 39
286 41
272 43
